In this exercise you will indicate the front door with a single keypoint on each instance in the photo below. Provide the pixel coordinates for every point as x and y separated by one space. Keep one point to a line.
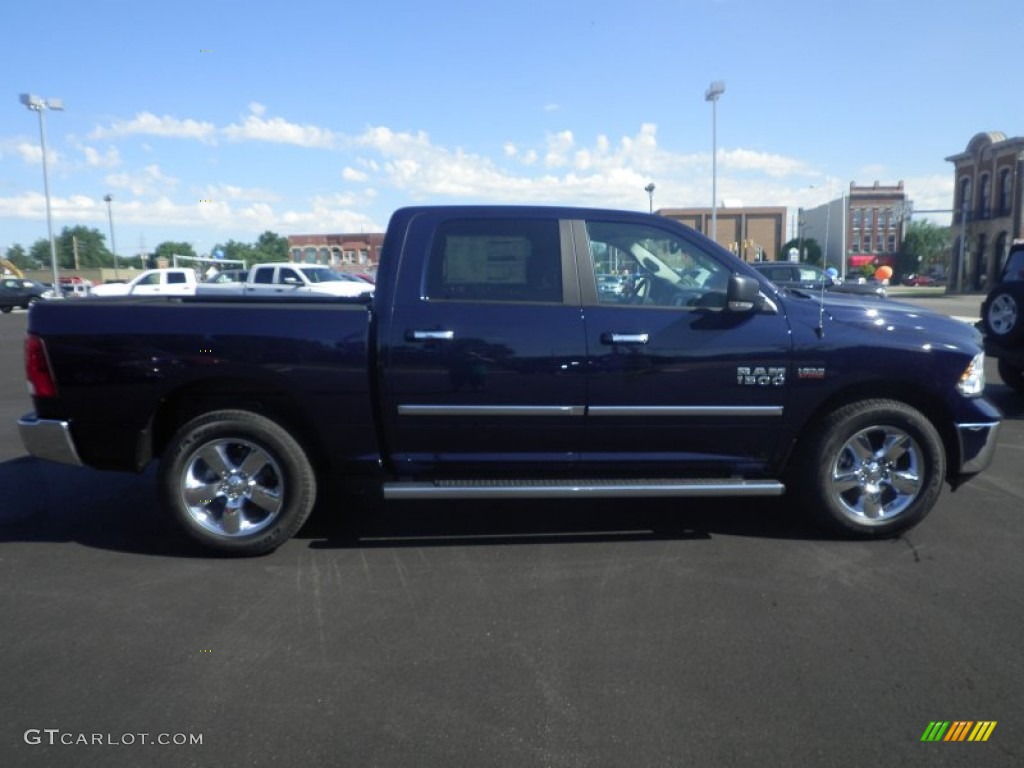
678 383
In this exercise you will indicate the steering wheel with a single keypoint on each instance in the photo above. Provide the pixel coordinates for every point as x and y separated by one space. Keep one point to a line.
641 289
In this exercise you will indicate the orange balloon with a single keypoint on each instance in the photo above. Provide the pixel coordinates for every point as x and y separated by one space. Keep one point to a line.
883 273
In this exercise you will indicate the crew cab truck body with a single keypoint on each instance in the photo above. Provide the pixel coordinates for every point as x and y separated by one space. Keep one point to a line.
488 364
172 281
289 279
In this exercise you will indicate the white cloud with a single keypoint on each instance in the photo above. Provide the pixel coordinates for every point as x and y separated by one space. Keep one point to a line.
769 164
148 124
351 174
558 147
33 154
280 131
149 181
221 192
96 159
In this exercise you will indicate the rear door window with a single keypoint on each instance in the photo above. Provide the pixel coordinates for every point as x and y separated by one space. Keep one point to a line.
495 260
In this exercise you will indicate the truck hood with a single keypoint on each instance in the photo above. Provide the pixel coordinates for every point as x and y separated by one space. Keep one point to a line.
887 318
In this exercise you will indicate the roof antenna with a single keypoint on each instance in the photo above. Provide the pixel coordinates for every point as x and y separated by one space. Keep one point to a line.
820 330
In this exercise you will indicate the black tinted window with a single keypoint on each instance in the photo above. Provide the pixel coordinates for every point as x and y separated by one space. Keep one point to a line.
495 260
1014 271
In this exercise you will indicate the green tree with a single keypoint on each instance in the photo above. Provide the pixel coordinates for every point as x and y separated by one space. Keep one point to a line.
925 245
233 249
271 247
168 249
18 257
40 251
91 247
808 246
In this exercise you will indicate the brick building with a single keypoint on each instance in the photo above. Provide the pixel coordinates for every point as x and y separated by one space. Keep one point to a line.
747 232
988 207
341 250
866 226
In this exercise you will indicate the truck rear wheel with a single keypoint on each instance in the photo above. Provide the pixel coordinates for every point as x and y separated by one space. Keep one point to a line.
873 469
237 482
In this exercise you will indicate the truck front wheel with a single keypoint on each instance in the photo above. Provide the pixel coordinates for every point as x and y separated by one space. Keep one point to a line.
237 482
873 469
1002 318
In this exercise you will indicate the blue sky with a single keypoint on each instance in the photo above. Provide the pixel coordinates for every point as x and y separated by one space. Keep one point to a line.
215 120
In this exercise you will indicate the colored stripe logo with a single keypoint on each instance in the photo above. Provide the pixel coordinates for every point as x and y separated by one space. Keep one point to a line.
958 730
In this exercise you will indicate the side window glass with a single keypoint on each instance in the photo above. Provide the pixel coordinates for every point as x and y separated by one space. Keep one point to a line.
264 276
1015 267
285 274
175 277
641 264
495 260
153 279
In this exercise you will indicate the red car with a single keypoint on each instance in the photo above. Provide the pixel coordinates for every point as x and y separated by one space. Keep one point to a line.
918 280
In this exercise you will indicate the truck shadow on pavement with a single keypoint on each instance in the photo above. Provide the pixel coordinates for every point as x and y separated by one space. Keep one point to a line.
46 502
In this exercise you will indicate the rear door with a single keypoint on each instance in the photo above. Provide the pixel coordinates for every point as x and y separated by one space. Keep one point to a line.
483 362
677 383
276 281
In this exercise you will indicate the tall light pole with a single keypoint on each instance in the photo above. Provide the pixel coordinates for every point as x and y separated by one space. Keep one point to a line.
108 198
649 189
714 90
36 104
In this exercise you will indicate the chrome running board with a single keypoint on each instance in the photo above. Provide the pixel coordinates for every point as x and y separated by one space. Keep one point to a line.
586 488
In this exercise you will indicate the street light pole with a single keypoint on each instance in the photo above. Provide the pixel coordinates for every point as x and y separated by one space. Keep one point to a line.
108 198
36 104
649 189
714 90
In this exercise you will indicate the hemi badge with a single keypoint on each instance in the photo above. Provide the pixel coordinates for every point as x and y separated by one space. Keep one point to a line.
809 372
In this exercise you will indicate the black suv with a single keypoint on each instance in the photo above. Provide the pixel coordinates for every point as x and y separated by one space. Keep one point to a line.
1002 319
807 277
1002 312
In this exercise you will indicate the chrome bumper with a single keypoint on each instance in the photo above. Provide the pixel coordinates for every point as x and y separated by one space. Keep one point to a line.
48 439
977 446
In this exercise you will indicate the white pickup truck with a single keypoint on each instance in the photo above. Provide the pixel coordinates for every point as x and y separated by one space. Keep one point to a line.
288 279
175 281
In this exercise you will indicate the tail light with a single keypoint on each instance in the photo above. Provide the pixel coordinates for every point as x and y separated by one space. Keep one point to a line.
37 369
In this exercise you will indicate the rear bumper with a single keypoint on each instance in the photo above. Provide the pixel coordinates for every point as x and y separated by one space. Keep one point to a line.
48 439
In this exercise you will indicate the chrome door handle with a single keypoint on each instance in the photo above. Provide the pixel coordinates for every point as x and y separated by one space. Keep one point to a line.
625 338
429 335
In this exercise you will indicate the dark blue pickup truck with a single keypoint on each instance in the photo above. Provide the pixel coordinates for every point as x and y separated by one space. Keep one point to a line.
489 364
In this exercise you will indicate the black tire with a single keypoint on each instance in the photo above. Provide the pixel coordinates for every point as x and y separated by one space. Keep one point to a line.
5 310
1012 375
1003 316
236 482
872 469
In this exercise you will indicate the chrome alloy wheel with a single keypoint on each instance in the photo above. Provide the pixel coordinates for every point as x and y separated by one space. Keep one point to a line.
877 474
1002 314
232 487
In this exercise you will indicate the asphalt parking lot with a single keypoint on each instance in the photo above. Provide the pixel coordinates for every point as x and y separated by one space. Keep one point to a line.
541 634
